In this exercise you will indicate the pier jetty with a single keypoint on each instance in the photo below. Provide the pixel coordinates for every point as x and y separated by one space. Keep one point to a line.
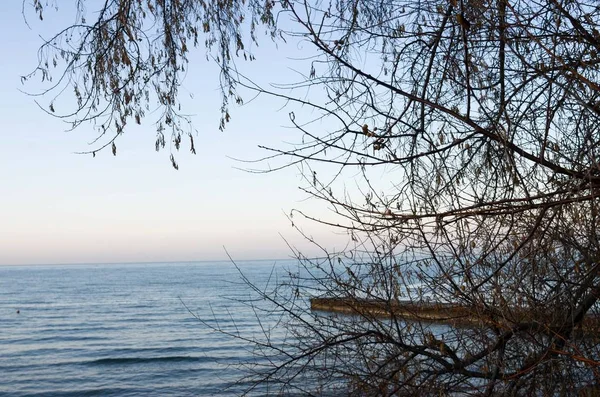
446 313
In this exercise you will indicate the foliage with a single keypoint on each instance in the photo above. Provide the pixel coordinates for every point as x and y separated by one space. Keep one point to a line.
133 56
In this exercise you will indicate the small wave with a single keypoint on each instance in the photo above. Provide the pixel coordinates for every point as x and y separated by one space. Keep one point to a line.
142 360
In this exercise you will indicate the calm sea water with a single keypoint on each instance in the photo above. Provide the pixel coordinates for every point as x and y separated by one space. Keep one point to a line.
125 329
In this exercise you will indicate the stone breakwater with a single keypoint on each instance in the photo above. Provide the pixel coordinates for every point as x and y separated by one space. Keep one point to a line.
452 314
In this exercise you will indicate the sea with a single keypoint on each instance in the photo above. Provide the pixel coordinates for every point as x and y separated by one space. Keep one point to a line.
134 329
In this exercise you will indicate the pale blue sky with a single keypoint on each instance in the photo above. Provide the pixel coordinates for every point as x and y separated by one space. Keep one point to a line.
60 207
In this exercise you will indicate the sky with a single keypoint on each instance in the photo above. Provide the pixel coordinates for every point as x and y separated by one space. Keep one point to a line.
57 206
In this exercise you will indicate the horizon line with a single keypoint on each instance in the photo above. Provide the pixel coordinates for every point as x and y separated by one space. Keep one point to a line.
144 262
